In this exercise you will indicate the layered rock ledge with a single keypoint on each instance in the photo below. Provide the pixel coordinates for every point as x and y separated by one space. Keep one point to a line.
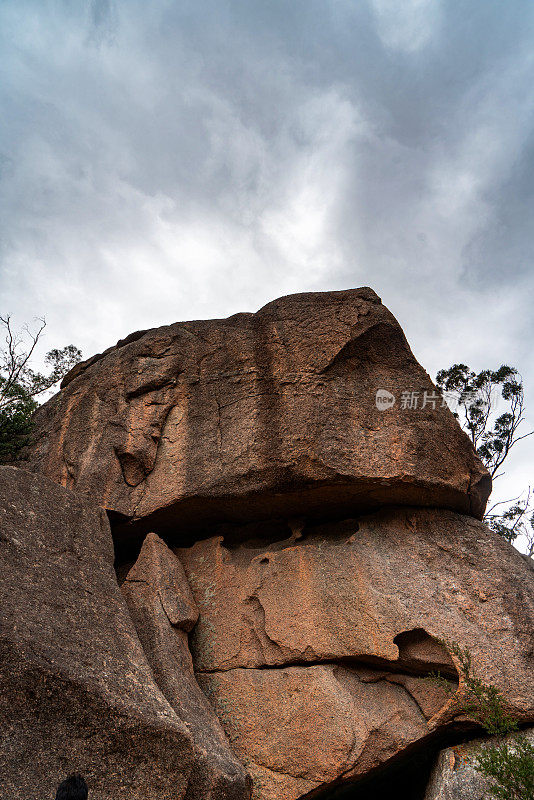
316 650
255 416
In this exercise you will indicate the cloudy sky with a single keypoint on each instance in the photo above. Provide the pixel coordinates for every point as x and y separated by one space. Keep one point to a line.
182 159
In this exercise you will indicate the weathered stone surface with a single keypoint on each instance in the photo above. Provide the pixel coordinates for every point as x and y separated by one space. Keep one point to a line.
299 728
378 592
256 416
455 778
76 691
161 571
163 610
356 588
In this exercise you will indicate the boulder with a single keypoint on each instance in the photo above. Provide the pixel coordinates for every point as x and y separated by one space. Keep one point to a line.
163 611
76 690
455 776
299 729
314 649
273 414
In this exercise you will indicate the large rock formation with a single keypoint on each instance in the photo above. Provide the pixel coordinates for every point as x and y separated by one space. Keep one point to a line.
76 689
259 415
298 729
363 603
325 551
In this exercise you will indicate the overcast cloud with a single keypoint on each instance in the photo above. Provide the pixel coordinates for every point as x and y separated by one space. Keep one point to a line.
178 160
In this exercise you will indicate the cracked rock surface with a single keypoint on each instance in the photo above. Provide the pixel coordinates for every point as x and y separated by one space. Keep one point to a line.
301 728
314 650
76 689
255 416
163 610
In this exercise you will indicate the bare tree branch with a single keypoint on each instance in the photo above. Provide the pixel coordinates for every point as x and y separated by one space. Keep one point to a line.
20 385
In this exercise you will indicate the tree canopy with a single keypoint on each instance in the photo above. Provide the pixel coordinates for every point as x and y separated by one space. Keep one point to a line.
490 406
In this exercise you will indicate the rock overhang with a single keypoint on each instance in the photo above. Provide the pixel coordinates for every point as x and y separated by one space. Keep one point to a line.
258 416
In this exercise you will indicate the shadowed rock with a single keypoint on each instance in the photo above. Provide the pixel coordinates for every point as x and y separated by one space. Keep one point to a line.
163 611
76 690
256 416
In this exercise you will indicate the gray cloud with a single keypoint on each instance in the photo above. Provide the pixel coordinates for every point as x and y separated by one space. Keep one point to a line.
172 160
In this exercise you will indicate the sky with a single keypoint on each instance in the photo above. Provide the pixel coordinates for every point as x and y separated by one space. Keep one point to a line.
189 159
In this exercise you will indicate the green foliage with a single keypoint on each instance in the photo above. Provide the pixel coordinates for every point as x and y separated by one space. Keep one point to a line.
15 422
477 395
483 702
481 397
20 385
509 765
59 361
513 522
439 680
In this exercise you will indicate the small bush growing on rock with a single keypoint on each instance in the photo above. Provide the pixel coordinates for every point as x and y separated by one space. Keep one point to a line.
510 765
483 702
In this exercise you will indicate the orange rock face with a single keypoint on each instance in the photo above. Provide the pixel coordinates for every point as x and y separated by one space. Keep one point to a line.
314 649
259 415
301 728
